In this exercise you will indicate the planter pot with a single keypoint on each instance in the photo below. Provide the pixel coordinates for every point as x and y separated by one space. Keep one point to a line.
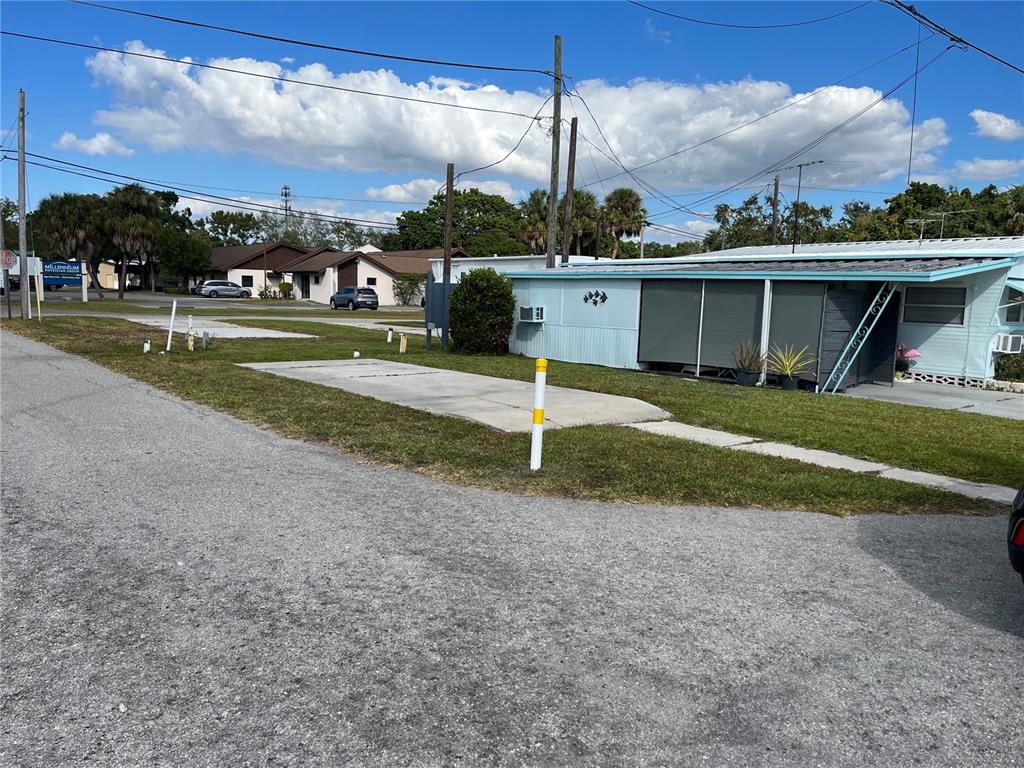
789 382
747 378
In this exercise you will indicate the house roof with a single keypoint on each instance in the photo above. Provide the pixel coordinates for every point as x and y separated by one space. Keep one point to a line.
319 259
902 260
227 257
397 262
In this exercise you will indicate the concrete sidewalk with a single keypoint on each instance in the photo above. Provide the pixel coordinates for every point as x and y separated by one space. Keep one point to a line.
828 459
1008 405
216 328
503 404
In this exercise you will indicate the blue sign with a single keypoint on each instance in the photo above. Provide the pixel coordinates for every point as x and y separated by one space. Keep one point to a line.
62 273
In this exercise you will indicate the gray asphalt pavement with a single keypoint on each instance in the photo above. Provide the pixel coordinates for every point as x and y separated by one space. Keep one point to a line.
183 589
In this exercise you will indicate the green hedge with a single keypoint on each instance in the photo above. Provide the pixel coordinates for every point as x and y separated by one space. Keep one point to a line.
481 313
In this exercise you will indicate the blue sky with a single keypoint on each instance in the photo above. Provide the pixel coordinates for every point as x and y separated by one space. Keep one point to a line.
654 83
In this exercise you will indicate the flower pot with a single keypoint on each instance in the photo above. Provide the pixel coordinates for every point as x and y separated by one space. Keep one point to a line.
748 378
789 382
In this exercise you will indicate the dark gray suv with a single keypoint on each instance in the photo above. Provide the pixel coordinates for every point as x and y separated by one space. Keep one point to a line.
354 298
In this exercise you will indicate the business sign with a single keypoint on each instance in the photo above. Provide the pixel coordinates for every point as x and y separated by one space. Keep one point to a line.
62 273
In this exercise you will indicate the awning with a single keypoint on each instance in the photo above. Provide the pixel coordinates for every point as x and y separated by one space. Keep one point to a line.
1017 285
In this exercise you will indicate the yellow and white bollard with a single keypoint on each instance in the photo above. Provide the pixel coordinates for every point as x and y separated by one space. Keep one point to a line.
538 413
403 343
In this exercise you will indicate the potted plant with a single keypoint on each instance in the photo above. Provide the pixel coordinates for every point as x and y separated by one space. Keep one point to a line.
789 363
749 363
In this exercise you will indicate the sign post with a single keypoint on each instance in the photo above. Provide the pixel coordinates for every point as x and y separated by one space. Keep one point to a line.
7 260
85 283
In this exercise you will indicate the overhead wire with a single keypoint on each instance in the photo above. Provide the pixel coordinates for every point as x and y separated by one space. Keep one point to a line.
312 44
202 197
748 26
766 115
277 78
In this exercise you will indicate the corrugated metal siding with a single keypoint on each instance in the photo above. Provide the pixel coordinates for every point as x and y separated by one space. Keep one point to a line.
956 350
577 331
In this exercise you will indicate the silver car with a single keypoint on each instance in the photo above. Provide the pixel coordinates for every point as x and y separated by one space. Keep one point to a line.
215 288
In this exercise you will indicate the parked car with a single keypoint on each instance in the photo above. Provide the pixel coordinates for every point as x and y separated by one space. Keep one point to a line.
215 288
1015 535
354 298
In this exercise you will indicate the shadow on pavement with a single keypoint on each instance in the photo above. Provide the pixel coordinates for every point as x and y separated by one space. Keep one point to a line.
959 562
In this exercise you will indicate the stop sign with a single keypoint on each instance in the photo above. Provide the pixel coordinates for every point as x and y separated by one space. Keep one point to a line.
8 259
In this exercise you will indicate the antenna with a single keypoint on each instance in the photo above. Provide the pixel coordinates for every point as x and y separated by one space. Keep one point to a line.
286 203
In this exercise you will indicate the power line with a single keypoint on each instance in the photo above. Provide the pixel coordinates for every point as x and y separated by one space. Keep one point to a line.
276 78
245 205
749 26
674 231
915 14
775 111
311 44
829 133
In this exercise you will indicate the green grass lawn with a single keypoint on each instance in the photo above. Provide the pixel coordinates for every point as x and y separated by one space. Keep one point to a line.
607 462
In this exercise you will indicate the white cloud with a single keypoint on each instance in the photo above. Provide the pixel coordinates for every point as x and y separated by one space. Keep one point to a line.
419 191
200 209
980 169
101 144
996 126
659 35
171 107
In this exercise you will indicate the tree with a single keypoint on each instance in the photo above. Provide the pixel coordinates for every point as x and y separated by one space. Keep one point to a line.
134 217
481 313
182 255
231 227
586 217
533 217
72 224
485 225
408 286
624 215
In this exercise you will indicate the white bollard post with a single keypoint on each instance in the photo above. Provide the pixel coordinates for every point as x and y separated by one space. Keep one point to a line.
403 343
85 283
191 337
538 413
170 328
391 334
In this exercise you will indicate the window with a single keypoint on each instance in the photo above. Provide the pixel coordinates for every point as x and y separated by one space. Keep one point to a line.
1014 312
934 306
247 281
371 281
316 278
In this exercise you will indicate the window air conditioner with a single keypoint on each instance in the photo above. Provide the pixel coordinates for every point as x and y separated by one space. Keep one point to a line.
1009 343
531 314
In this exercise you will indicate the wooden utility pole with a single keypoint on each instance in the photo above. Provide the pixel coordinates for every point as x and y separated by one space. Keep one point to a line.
642 239
775 213
570 180
25 281
556 136
796 205
446 275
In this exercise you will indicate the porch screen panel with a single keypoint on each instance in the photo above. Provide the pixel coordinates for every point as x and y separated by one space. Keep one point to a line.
796 315
732 314
669 321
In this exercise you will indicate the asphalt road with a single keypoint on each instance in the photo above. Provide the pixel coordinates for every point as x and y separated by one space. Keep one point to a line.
183 589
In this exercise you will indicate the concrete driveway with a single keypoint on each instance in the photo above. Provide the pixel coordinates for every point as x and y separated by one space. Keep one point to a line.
184 589
217 329
1009 405
499 403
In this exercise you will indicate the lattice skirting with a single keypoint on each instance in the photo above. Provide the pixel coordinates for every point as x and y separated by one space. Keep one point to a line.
940 378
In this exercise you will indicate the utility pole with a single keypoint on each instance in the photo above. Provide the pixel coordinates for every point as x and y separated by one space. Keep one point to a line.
570 180
286 201
26 282
796 205
446 278
775 212
556 137
642 238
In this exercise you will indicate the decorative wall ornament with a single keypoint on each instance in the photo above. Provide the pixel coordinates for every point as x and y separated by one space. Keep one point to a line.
595 297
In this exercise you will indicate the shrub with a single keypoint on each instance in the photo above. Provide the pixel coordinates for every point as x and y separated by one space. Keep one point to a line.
408 286
1010 367
481 313
286 290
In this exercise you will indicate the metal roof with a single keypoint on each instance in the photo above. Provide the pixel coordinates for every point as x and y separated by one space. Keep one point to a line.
915 269
1001 246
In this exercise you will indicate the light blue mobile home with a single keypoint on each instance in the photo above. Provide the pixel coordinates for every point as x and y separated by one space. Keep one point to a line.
958 302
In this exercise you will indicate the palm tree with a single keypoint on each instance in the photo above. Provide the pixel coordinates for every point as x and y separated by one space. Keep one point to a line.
533 212
624 215
71 224
586 215
129 222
